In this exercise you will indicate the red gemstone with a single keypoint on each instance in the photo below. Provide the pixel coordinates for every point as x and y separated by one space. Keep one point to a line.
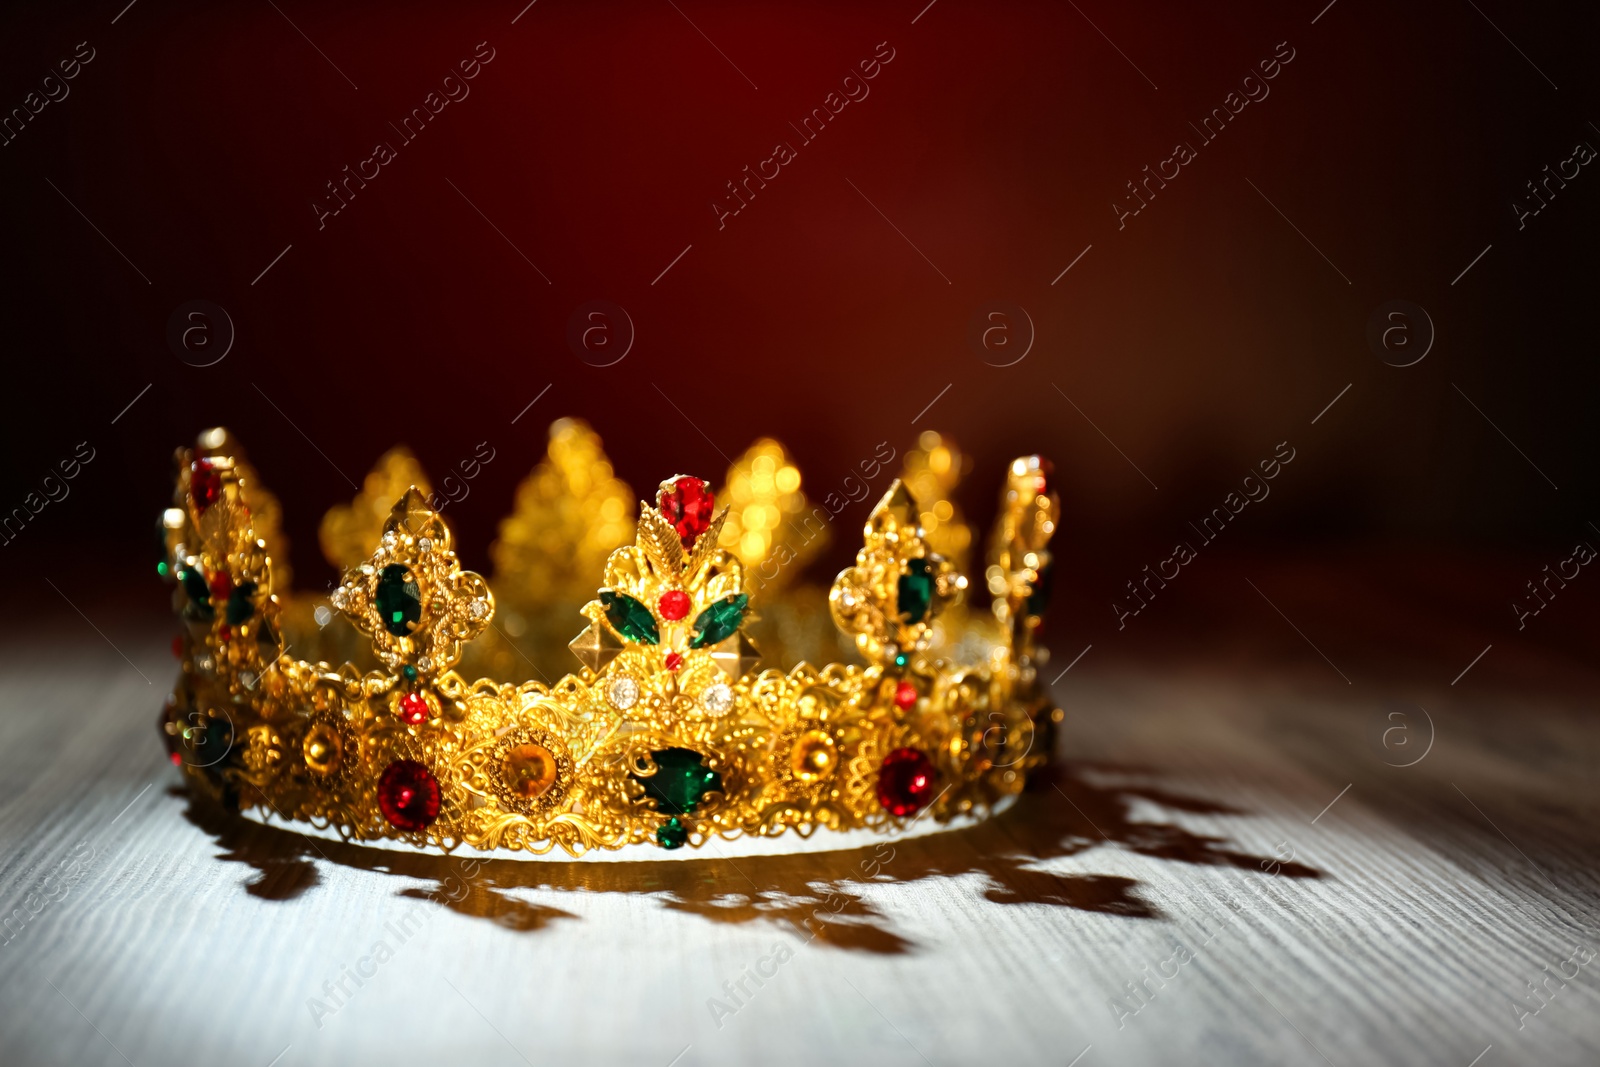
686 502
205 484
674 661
408 793
221 585
673 605
414 709
177 646
905 695
905 782
176 758
225 632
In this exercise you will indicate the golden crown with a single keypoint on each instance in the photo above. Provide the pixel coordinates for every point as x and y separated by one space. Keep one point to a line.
667 733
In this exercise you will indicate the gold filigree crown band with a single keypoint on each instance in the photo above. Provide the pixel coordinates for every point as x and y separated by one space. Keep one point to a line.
668 733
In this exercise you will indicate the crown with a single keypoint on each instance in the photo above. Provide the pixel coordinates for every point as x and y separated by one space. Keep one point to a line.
669 732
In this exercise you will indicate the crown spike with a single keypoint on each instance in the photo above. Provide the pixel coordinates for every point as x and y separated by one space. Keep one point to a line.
570 513
932 471
348 531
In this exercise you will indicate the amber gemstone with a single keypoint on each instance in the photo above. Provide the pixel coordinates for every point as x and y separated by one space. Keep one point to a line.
408 795
530 770
414 709
905 782
687 504
814 756
322 748
673 605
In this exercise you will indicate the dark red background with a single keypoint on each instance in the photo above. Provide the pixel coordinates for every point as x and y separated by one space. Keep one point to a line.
1196 338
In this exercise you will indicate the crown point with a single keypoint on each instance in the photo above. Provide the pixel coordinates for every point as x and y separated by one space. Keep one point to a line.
687 503
895 512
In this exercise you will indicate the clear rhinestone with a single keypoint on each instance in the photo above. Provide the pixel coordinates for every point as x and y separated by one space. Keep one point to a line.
248 678
717 699
424 663
847 598
203 664
389 539
425 545
623 692
322 615
340 600
478 609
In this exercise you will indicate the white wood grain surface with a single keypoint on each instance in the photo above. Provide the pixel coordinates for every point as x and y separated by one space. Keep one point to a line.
1414 906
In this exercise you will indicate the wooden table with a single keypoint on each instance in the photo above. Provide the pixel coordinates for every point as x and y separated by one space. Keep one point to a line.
1242 858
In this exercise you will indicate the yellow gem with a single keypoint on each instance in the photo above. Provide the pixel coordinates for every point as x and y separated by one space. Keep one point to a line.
322 748
530 770
813 756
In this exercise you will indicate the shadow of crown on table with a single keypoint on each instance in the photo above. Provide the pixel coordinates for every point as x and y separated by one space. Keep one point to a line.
820 893
1078 807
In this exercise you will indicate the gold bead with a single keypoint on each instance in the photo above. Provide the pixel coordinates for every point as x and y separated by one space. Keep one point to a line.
530 770
322 748
813 756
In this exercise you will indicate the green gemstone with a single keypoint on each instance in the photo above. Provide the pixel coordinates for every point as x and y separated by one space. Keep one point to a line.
194 585
161 568
409 672
681 779
1039 598
630 618
399 600
914 591
672 834
720 621
901 660
241 603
